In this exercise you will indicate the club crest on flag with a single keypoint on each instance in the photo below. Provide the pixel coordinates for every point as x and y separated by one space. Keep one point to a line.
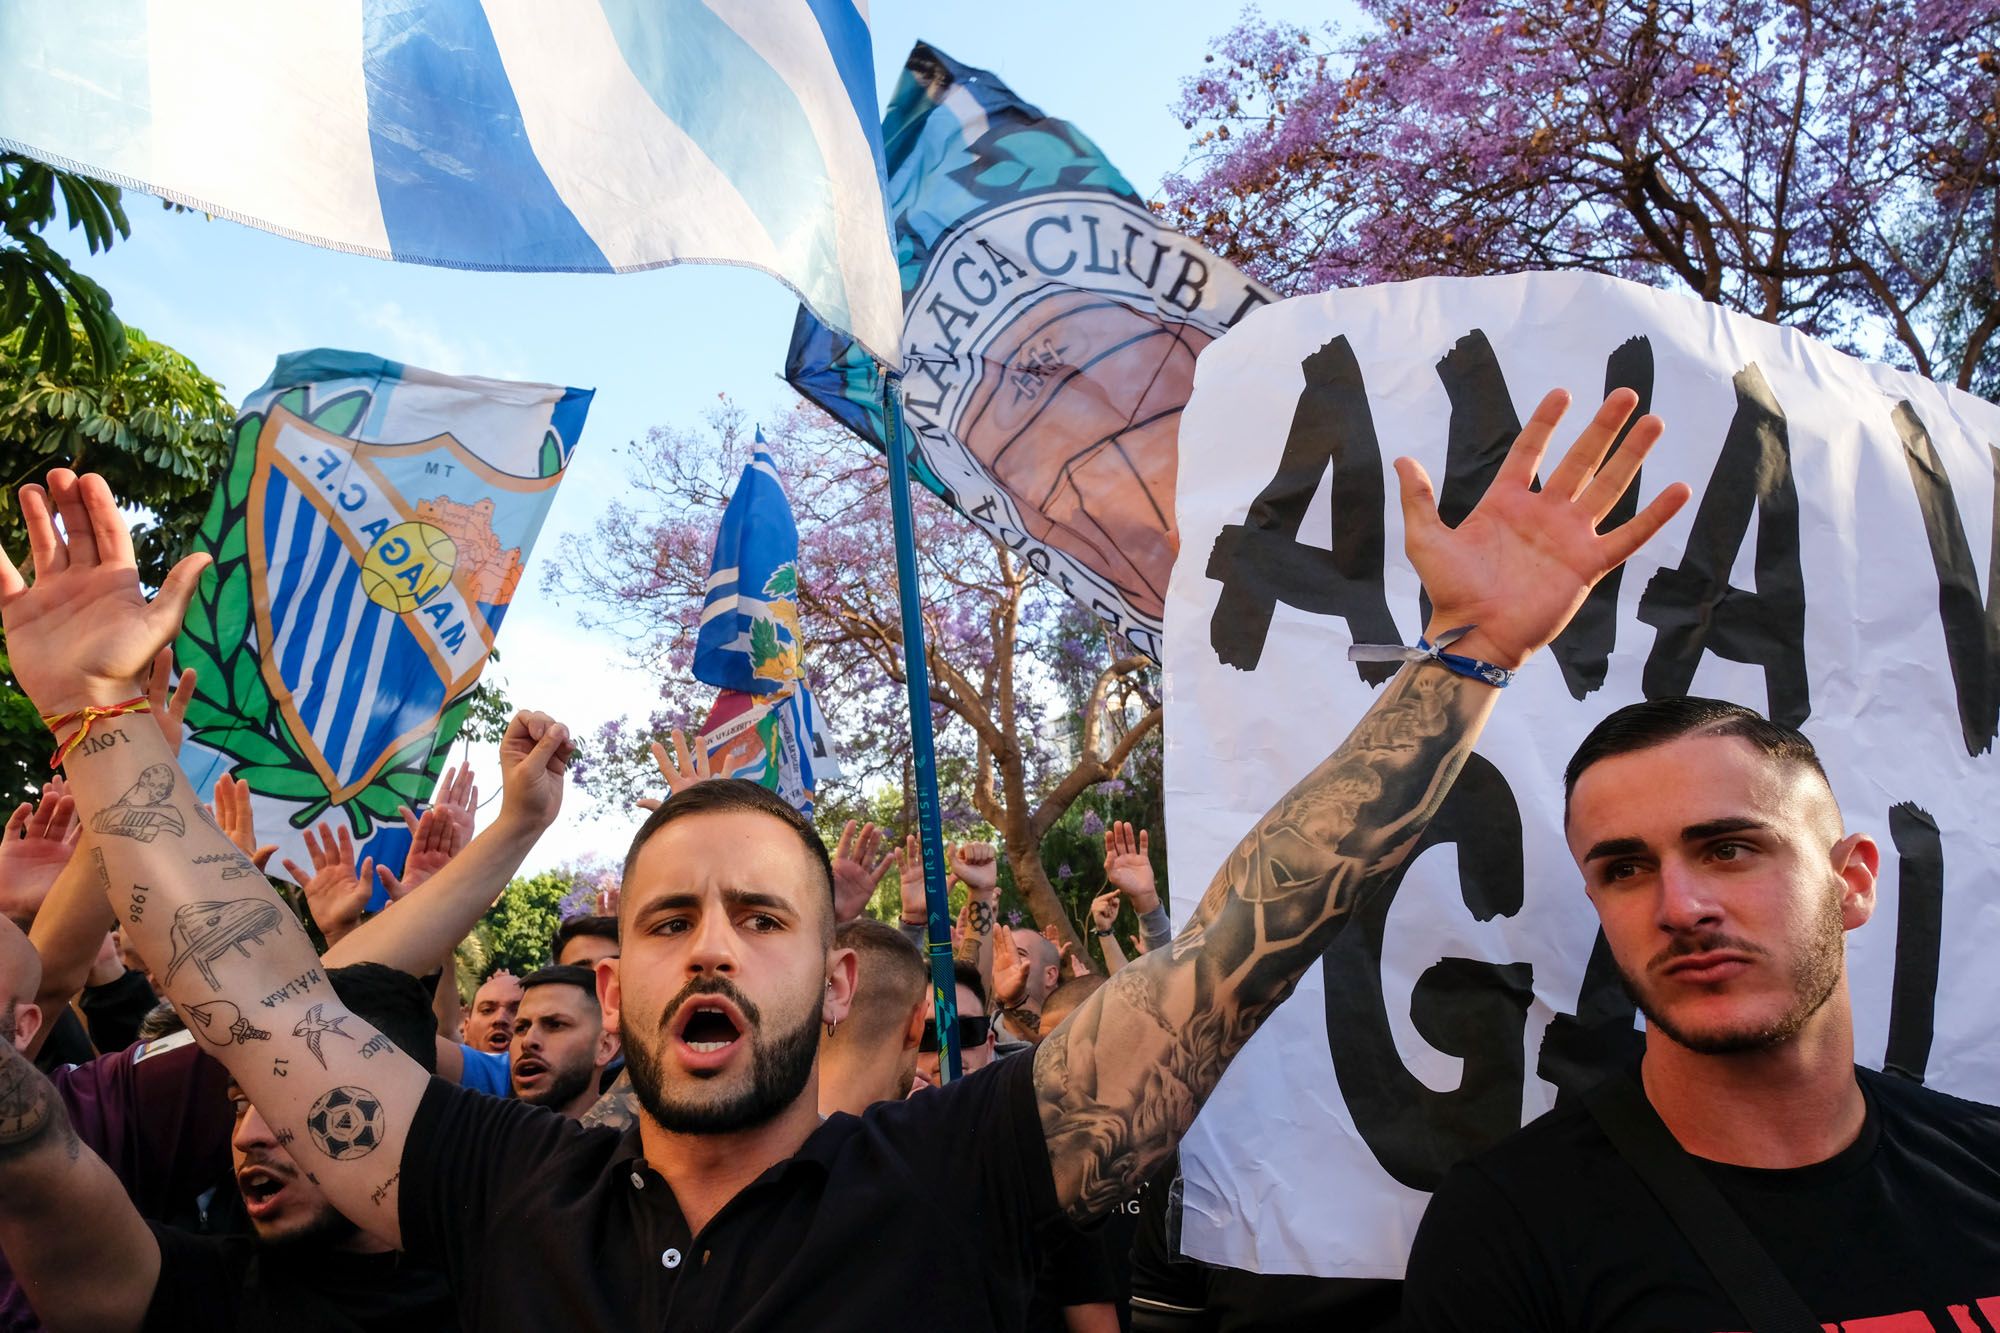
365 557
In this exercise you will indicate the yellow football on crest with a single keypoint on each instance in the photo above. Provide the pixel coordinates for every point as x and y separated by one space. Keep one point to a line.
408 565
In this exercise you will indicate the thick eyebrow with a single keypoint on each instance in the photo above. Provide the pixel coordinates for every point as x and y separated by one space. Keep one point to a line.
1713 827
738 898
1615 847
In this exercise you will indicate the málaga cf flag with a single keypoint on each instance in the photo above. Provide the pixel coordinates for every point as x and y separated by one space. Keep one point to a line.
764 726
1052 326
598 136
369 536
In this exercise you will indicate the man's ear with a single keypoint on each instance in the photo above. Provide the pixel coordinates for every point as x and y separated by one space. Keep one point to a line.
27 1022
920 1018
608 994
1856 860
608 1046
842 967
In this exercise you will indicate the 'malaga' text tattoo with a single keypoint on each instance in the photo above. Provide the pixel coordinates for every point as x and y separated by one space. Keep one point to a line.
30 1111
220 1023
143 812
374 1046
1123 1079
347 1122
204 932
617 1108
382 1190
314 1026
294 988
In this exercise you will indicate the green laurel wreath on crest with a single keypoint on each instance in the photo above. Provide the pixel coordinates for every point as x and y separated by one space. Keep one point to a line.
232 710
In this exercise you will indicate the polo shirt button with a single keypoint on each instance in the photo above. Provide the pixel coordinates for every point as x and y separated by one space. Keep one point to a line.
671 1258
638 1181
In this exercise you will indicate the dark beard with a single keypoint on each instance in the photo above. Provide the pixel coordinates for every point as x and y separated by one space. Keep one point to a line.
565 1086
780 1069
1815 974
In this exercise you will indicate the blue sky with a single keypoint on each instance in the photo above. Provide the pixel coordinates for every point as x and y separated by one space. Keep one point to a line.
658 347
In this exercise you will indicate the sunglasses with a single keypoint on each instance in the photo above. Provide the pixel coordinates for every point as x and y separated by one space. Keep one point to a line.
971 1032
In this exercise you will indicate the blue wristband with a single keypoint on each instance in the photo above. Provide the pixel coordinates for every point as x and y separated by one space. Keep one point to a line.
1471 668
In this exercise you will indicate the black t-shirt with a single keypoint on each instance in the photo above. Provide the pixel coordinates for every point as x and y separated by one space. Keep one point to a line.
1551 1230
1075 1269
923 1212
231 1284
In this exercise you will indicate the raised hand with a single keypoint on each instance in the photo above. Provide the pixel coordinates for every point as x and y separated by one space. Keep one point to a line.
534 757
1010 971
434 840
337 890
37 842
857 870
234 816
1128 869
169 710
83 633
457 796
977 866
681 769
911 881
1104 910
1522 561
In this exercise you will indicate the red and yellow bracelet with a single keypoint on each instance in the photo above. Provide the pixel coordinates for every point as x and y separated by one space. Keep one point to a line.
88 714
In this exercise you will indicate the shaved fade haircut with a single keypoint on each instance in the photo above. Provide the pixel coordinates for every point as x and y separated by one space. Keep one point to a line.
1654 722
722 796
890 978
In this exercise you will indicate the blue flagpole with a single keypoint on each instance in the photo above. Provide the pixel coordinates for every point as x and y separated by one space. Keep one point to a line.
916 674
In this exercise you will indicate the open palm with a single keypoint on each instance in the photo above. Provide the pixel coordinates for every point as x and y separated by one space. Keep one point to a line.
1521 563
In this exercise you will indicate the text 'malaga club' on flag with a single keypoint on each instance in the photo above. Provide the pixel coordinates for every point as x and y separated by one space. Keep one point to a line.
368 535
601 136
765 725
1051 326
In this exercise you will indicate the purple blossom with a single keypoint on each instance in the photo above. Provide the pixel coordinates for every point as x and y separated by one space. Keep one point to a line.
1092 826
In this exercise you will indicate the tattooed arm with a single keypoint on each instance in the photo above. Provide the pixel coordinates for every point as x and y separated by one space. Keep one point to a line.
227 950
1121 1079
617 1108
977 867
62 1211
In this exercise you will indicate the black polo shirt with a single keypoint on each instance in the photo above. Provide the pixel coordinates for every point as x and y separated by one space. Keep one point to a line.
921 1211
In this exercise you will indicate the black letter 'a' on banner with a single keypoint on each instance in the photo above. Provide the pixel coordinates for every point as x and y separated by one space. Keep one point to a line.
1261 561
1919 935
1971 630
1483 427
1475 1010
1694 609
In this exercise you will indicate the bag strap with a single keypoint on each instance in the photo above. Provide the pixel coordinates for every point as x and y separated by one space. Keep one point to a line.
1738 1261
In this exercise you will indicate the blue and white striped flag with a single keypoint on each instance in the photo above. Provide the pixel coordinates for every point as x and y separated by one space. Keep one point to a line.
765 725
599 136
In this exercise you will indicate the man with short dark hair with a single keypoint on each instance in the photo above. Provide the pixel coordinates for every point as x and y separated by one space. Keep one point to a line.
976 1047
871 1055
88 1259
730 1203
561 1046
582 940
1713 849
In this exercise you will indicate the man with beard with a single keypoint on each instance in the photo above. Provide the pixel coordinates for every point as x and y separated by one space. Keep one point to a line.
305 1268
730 1204
1711 845
561 1047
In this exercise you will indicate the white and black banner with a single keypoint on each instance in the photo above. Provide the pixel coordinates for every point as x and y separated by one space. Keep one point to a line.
1836 570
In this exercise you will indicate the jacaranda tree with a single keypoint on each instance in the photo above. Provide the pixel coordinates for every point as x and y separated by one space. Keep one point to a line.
1832 165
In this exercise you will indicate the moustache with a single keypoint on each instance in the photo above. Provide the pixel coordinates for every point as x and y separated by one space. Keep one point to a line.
1705 941
712 986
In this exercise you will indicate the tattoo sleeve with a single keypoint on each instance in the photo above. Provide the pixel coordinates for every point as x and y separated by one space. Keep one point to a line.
618 1107
1120 1082
31 1115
